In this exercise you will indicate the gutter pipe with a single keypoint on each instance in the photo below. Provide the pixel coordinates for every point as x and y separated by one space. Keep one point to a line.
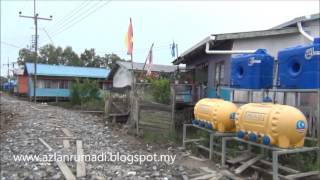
304 33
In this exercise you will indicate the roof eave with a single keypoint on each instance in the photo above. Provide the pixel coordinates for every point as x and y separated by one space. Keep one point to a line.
233 36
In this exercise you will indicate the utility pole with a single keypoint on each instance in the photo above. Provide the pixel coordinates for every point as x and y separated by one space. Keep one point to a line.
8 65
8 75
35 17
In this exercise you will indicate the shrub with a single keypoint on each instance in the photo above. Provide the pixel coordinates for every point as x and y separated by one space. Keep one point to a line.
84 91
161 90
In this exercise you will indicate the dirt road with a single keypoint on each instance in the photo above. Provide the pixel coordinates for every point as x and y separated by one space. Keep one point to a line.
44 131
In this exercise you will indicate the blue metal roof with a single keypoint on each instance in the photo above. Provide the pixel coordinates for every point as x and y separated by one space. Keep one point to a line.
67 71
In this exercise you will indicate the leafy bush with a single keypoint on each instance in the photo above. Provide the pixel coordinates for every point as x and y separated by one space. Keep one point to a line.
161 90
84 91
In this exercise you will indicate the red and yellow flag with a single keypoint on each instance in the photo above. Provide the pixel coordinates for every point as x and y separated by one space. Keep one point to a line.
129 39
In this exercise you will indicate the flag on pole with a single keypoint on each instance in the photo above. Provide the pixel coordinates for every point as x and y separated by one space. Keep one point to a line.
129 39
173 49
149 62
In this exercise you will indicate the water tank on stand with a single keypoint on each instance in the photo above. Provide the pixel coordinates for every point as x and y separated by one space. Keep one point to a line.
299 67
252 71
271 124
215 114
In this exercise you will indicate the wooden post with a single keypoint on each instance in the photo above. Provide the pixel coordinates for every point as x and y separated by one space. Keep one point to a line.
173 106
107 105
136 113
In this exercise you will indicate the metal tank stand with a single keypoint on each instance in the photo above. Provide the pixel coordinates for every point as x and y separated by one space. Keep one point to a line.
213 134
276 152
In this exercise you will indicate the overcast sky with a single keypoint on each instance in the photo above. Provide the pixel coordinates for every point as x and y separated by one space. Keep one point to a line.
102 25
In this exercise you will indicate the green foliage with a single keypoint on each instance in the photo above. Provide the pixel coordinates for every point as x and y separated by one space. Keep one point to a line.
161 90
84 91
50 54
25 56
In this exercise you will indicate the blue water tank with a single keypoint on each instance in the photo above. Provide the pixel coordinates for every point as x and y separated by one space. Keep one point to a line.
252 71
299 67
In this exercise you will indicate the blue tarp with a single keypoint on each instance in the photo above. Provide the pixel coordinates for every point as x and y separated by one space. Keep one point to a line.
8 86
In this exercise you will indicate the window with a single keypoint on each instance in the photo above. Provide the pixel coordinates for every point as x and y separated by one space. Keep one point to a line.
46 83
40 83
219 73
54 84
64 84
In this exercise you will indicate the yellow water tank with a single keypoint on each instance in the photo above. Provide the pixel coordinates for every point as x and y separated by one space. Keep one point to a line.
279 125
215 114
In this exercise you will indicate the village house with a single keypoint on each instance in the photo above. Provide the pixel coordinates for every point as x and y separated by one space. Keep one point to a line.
54 81
121 75
208 62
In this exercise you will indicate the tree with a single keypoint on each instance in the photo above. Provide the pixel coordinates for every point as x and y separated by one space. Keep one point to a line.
25 56
111 59
87 57
69 57
49 54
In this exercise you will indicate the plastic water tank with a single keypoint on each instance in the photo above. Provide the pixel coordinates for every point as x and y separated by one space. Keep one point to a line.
299 67
271 124
215 114
252 71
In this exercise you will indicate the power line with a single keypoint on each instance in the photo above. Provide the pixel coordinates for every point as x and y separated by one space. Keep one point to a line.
11 45
72 13
78 15
82 18
46 32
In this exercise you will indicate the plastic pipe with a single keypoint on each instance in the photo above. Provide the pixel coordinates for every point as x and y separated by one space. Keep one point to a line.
304 33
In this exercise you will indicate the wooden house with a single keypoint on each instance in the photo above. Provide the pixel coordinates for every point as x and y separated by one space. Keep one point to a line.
54 81
209 60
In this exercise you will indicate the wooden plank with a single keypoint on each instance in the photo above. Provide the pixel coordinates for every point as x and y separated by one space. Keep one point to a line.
35 108
81 169
247 164
66 143
163 126
197 174
119 114
206 169
66 132
153 129
240 158
196 158
65 170
155 121
46 144
208 176
287 169
231 175
159 107
117 107
301 175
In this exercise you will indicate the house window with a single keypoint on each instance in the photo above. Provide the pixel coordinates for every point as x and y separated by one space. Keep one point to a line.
46 84
63 84
219 73
40 83
54 84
